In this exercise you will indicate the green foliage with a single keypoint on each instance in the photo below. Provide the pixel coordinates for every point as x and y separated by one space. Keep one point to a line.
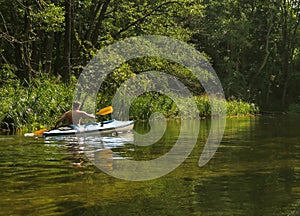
149 103
294 108
240 108
50 19
7 74
250 44
45 98
233 107
203 105
36 106
253 46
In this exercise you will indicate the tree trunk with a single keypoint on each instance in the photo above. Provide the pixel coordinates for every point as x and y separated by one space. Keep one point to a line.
48 52
21 72
58 53
264 62
289 34
35 56
94 10
99 22
286 54
48 47
19 61
65 70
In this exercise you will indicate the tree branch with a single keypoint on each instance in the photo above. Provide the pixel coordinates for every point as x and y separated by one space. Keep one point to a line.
94 10
144 17
100 20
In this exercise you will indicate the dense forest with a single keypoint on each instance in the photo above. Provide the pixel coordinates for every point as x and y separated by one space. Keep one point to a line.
254 46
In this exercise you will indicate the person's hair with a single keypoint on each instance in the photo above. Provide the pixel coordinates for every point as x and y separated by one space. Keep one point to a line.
76 104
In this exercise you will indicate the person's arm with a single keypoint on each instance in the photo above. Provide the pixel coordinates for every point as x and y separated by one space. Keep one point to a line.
60 120
86 115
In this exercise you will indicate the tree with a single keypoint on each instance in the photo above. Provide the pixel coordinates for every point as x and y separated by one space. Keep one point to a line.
65 70
252 45
289 20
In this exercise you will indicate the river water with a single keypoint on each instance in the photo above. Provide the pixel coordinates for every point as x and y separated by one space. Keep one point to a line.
255 171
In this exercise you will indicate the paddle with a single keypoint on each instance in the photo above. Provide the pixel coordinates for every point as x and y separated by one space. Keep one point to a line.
105 111
36 133
39 132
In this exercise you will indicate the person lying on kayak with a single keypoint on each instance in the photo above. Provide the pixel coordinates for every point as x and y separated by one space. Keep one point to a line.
74 116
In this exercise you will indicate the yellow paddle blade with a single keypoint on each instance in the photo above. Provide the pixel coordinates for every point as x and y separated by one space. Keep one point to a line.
105 111
39 132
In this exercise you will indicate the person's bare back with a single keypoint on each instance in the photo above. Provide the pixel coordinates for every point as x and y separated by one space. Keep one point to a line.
74 116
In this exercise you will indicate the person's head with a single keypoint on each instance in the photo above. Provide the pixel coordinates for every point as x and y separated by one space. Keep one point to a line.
76 105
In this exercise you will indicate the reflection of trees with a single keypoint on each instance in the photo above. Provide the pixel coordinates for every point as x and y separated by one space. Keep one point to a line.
253 172
245 193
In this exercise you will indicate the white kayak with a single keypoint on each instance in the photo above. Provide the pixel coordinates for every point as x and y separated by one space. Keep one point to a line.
109 126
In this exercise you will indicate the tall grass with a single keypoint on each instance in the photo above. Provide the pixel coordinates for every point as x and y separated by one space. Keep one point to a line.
34 106
144 106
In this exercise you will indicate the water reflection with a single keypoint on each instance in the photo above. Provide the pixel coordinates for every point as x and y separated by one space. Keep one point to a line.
100 150
255 171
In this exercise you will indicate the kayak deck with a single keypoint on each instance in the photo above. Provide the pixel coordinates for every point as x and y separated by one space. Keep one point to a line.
93 127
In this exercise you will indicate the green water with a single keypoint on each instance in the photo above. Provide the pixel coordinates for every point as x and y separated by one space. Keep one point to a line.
255 171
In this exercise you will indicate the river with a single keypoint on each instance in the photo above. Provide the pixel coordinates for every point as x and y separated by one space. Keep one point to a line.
255 171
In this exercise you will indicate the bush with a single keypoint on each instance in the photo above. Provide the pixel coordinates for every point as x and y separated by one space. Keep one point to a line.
34 106
145 105
39 103
240 108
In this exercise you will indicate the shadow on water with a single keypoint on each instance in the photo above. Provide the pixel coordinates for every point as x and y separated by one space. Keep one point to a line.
70 208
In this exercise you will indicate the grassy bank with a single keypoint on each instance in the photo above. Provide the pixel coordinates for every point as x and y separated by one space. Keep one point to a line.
35 106
144 106
41 102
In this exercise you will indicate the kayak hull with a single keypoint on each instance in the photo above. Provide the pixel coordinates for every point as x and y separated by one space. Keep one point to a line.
110 126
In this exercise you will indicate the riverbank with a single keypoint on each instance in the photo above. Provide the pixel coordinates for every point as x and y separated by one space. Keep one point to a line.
39 103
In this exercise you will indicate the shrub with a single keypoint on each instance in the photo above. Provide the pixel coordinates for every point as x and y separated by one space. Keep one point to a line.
36 105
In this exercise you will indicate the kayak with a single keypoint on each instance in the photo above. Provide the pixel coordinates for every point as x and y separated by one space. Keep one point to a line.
109 126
